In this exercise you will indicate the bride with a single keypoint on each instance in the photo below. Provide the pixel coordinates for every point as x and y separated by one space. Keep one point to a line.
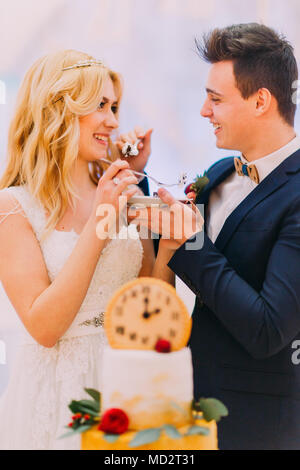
56 271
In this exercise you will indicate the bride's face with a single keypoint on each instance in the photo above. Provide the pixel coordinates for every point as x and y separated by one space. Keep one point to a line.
96 128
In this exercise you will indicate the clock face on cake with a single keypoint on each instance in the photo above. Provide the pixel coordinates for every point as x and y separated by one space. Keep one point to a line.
144 311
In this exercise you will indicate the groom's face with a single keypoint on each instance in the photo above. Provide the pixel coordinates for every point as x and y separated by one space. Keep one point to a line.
232 116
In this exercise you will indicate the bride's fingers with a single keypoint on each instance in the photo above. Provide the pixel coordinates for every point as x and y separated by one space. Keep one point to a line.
130 192
113 170
124 183
126 195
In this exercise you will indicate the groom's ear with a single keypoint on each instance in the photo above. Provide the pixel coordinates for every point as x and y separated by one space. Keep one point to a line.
264 101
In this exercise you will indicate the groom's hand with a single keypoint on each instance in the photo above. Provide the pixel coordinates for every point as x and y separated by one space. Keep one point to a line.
176 224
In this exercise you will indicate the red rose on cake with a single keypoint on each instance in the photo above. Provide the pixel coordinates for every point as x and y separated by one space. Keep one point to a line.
114 421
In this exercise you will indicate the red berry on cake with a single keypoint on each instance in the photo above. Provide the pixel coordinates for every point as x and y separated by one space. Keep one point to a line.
163 346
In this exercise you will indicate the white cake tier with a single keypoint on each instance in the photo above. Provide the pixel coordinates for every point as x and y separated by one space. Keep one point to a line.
152 388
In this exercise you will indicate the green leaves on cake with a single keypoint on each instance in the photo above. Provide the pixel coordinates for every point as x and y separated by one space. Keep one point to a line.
211 409
86 413
148 436
197 430
111 438
115 421
171 431
95 394
91 407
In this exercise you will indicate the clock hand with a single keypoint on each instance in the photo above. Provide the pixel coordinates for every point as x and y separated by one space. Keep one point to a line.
148 314
157 310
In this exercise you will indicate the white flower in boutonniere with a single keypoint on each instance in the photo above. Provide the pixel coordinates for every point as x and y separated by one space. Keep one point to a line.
182 179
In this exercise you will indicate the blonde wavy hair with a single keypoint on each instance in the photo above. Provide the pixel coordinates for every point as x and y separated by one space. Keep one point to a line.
44 132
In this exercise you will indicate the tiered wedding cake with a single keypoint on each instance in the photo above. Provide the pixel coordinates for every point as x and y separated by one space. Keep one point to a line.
147 397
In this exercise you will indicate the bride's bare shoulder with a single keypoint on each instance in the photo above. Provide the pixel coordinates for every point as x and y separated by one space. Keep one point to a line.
11 212
22 268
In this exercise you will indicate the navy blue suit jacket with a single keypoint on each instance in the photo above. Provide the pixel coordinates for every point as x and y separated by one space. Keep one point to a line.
247 312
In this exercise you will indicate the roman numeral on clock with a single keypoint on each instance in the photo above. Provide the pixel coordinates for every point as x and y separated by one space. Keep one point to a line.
132 336
119 311
120 330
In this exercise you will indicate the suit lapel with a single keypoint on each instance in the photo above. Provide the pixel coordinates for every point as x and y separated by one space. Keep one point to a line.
216 176
269 185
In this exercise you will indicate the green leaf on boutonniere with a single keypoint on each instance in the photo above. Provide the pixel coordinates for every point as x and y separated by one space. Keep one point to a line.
94 394
199 184
147 436
111 438
171 431
79 430
211 408
194 430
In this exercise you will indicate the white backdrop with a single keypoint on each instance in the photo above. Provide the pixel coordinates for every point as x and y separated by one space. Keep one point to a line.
151 42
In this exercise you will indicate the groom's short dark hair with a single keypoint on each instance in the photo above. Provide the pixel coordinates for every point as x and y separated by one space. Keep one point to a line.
261 59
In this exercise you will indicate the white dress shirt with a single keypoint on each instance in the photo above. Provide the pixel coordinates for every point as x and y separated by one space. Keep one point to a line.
234 189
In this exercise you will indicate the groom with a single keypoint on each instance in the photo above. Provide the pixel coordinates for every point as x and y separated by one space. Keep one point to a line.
246 320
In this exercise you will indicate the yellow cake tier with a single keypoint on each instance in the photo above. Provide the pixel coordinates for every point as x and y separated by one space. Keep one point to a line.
93 440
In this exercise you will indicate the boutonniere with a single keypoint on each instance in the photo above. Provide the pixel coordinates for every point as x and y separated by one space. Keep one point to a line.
198 185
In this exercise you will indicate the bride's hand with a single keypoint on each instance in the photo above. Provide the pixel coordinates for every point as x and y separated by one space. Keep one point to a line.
108 204
138 162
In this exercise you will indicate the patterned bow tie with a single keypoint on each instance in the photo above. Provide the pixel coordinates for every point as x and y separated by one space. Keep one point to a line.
246 170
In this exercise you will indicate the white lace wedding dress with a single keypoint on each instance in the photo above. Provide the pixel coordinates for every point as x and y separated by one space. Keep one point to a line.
34 408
